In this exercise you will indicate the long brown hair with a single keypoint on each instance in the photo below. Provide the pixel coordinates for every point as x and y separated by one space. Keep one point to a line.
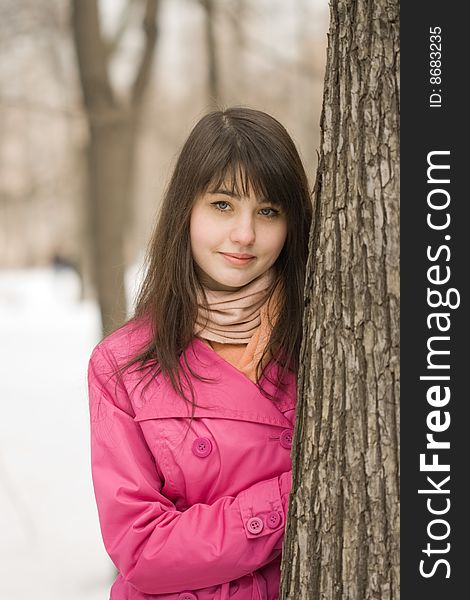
253 151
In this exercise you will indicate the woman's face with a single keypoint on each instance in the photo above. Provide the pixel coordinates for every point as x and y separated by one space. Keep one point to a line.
234 239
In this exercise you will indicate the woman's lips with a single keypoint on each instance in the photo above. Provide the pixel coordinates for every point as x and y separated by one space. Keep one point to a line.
238 259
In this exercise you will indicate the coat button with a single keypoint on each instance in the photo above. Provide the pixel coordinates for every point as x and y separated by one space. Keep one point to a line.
255 525
202 447
187 596
286 438
273 519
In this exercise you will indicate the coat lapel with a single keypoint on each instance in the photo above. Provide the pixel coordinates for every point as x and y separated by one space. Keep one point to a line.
228 393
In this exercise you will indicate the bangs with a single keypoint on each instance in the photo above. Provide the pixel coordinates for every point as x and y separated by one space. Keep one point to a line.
237 179
241 172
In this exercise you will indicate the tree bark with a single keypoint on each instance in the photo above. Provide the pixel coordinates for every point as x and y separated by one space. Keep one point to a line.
342 537
111 152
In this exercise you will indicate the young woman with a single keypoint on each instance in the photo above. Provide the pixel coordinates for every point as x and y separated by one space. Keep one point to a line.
192 401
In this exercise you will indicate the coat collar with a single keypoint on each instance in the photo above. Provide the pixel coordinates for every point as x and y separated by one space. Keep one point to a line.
229 394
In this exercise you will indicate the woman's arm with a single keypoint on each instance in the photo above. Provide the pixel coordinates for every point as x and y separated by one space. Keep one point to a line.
157 548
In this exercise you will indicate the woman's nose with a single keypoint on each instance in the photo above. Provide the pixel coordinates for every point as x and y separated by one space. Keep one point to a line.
243 232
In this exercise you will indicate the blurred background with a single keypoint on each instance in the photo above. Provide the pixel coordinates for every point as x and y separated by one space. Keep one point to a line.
96 98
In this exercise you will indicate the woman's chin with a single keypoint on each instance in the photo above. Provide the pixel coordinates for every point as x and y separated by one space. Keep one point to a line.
228 283
236 279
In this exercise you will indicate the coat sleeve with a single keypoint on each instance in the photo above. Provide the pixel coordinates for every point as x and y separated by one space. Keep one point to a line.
157 548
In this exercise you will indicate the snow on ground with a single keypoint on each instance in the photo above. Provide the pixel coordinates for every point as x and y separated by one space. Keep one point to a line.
50 543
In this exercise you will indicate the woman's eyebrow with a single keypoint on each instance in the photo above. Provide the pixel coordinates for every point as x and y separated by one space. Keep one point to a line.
235 195
226 192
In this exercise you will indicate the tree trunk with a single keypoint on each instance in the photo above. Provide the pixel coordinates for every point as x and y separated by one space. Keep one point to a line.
111 152
109 156
342 538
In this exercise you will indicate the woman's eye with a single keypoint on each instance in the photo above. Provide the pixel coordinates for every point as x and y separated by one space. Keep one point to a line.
221 205
269 212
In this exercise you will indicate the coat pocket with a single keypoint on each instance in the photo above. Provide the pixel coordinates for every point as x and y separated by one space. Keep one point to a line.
187 456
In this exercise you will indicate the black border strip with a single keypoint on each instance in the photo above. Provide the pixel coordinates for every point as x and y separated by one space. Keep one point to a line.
433 131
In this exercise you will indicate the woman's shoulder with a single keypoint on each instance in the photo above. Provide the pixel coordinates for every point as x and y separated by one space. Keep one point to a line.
126 342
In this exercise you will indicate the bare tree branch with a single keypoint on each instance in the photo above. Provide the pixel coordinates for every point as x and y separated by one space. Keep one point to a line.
265 51
124 18
93 66
211 49
149 26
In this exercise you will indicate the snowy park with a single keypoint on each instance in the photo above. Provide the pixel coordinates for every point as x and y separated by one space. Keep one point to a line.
50 546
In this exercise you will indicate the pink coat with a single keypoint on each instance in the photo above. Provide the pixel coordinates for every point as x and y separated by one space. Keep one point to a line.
199 517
